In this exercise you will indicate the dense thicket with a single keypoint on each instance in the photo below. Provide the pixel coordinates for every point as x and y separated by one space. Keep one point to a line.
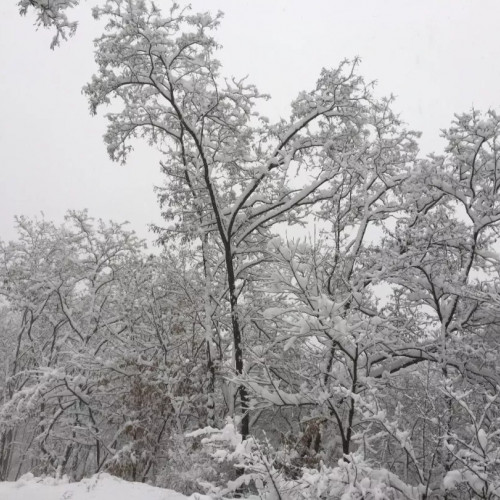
360 359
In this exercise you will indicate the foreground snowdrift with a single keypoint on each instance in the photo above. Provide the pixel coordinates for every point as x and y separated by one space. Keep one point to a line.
99 487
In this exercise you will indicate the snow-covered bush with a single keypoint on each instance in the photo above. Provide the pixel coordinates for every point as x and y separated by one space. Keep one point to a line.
259 469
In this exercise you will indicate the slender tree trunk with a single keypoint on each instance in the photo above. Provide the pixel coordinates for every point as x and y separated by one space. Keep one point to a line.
238 344
211 371
5 454
350 418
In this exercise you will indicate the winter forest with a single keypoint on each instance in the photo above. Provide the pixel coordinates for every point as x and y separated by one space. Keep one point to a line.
321 319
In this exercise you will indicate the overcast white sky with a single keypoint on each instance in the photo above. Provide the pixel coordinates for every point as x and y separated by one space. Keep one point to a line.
437 56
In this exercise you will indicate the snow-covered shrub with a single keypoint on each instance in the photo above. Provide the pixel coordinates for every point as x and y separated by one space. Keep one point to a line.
259 468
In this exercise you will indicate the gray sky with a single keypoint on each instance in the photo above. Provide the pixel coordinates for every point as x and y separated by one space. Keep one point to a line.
438 57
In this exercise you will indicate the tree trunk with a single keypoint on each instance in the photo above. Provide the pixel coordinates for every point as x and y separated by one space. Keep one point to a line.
238 345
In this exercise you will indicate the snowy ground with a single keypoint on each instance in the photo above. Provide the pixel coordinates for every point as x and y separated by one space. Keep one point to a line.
99 487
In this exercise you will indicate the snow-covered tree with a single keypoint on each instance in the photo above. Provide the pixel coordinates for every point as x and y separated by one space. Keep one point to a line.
232 176
102 361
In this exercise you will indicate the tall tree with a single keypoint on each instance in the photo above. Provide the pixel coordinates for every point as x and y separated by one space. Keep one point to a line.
230 174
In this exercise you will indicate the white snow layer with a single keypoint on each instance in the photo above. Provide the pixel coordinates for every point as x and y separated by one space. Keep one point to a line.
99 487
